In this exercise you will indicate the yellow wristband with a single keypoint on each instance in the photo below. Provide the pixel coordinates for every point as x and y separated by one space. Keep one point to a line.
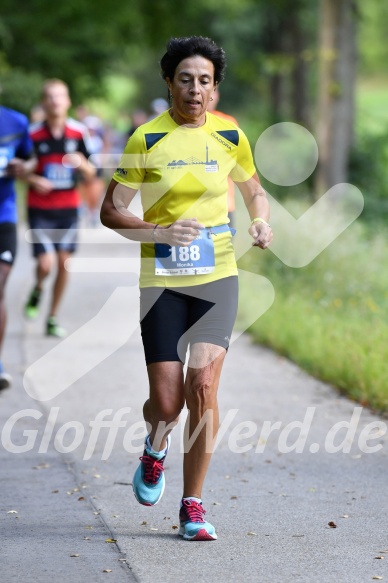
259 220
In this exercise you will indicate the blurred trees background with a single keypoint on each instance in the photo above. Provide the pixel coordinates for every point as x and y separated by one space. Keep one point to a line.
305 61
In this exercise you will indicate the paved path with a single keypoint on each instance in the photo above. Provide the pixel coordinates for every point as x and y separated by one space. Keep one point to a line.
271 506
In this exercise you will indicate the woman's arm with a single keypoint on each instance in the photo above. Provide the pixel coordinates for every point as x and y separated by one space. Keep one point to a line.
256 201
115 215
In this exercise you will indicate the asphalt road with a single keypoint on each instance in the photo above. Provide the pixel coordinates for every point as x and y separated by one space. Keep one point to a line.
65 477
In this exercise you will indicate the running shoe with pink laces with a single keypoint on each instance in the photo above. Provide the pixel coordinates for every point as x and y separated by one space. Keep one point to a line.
192 524
148 482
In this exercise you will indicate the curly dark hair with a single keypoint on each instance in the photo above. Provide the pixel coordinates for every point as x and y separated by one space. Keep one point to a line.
184 47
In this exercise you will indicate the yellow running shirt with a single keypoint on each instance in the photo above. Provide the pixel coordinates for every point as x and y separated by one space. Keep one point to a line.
182 174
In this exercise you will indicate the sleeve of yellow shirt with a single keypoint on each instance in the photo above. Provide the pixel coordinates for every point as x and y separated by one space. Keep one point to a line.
132 166
245 168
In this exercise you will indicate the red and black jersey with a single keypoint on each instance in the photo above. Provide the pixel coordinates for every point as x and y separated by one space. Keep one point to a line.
50 152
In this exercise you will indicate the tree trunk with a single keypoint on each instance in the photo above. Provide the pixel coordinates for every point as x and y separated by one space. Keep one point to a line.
274 46
299 76
336 91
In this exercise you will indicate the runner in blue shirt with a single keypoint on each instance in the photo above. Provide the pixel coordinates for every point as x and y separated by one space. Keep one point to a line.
16 161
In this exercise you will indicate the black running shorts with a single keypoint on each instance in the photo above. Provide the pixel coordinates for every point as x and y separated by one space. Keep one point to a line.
173 318
8 243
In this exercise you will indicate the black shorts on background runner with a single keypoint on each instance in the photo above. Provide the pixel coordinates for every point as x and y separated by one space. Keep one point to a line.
173 318
8 243
53 230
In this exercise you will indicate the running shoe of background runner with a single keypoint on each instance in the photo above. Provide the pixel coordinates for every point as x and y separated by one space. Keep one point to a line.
148 482
192 524
53 329
31 308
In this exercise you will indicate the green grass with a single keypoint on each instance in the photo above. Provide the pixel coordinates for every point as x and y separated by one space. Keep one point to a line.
330 317
371 105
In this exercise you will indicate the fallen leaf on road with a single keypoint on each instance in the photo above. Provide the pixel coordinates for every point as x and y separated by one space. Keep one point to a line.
153 528
174 526
345 516
54 491
379 557
332 524
377 577
107 570
111 540
252 533
87 538
89 527
74 555
233 497
41 467
216 503
96 475
298 535
81 498
143 523
12 512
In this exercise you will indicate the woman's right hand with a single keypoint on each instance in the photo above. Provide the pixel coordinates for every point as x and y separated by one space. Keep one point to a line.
182 232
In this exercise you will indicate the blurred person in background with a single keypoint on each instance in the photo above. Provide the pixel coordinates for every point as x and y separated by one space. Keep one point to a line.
158 106
92 189
53 200
138 117
17 160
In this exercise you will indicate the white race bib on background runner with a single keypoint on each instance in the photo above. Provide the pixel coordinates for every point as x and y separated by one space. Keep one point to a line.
60 176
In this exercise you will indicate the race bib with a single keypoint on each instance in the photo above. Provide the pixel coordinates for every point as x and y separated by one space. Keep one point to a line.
194 259
6 154
61 177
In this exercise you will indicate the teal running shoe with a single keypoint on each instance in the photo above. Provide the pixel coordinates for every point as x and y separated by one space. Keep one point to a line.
148 482
192 524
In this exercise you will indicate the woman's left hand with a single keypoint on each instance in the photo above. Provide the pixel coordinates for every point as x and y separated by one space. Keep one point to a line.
262 235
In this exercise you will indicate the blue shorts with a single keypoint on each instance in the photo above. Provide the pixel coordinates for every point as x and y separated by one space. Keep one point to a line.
173 318
53 230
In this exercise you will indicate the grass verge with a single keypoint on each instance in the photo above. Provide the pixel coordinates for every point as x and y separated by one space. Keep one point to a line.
330 317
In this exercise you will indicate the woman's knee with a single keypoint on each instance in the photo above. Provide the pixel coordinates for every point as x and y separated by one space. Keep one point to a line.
165 410
201 391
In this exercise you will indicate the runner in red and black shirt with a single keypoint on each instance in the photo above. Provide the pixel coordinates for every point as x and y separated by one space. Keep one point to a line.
53 200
